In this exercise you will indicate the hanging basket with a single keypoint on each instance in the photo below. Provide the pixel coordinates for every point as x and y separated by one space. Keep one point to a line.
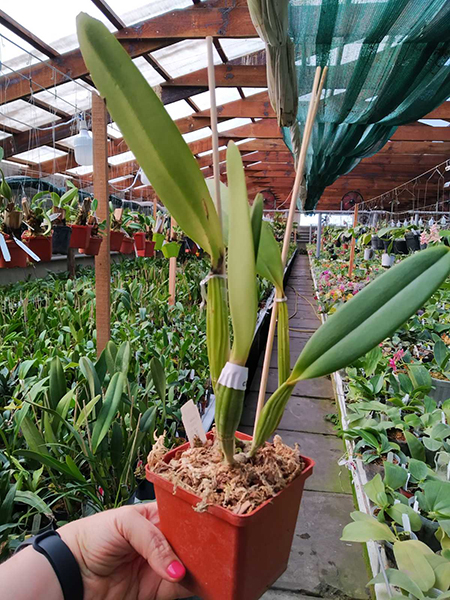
229 556
115 240
93 247
40 245
80 236
139 240
171 249
149 250
127 245
18 256
158 238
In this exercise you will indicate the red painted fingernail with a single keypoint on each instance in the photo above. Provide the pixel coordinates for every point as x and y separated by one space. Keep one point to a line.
176 570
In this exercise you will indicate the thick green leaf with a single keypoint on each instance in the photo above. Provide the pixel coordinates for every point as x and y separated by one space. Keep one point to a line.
441 568
256 214
418 469
34 501
400 580
151 134
268 264
33 437
148 420
6 507
409 556
394 476
243 299
415 446
109 409
116 447
88 370
373 314
110 356
50 462
159 378
224 204
397 510
441 353
364 531
122 363
64 404
420 376
376 492
86 411
57 382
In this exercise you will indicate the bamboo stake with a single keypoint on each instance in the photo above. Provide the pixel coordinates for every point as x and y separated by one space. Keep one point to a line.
213 121
154 207
352 246
103 260
172 268
312 112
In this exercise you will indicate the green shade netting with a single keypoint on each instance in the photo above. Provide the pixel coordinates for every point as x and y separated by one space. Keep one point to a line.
389 64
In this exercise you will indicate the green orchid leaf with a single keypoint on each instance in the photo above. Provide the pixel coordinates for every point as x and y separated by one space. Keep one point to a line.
33 500
415 446
256 214
159 378
268 264
394 476
241 260
409 556
108 411
364 531
373 314
224 204
57 382
397 510
151 135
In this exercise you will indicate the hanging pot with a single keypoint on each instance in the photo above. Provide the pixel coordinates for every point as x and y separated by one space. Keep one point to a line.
377 244
158 238
412 241
93 247
61 239
115 240
400 247
80 236
229 556
40 245
171 249
127 245
139 240
149 250
18 256
368 253
387 260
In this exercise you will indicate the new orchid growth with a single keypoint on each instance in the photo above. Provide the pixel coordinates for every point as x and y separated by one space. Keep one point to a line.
160 149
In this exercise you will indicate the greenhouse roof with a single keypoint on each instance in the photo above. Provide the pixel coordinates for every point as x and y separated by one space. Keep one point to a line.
44 86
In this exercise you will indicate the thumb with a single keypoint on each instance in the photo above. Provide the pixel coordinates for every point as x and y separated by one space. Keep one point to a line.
150 543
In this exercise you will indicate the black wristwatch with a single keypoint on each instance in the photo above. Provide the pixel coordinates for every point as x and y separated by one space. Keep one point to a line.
58 554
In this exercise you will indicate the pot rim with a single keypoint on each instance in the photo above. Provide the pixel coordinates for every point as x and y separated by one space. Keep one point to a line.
219 511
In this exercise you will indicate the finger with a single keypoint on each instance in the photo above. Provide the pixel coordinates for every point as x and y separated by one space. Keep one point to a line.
149 510
149 542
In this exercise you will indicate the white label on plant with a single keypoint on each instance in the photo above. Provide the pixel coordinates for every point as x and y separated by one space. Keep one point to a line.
390 457
406 523
234 376
448 471
407 481
192 422
416 505
396 501
4 249
443 420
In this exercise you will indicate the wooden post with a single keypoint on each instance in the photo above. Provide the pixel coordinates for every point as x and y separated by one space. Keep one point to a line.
319 234
352 246
155 207
103 259
172 269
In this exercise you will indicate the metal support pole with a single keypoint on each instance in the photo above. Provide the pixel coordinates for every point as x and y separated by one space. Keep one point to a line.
310 233
319 234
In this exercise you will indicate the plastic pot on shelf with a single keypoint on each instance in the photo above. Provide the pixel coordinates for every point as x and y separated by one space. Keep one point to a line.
115 240
440 391
80 236
376 242
400 246
61 239
40 245
171 249
148 251
158 238
93 247
368 253
127 245
387 260
412 241
229 556
139 240
18 256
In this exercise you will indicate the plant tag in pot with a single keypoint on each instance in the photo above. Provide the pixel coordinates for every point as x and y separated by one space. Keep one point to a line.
4 249
406 523
192 422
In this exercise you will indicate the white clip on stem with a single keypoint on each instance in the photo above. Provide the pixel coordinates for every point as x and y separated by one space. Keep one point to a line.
234 376
283 299
203 283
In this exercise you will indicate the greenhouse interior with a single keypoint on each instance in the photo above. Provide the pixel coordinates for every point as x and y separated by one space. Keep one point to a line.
225 299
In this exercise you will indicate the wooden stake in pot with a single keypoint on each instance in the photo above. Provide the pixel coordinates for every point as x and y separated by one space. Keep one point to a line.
172 269
312 111
352 246
103 259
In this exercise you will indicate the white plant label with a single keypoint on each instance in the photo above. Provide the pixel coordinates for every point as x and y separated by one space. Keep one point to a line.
448 471
407 481
390 457
416 505
192 422
443 420
406 523
234 376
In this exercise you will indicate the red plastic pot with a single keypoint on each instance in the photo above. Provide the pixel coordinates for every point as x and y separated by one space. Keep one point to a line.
127 245
115 241
40 245
80 236
149 249
93 247
229 556
139 240
18 256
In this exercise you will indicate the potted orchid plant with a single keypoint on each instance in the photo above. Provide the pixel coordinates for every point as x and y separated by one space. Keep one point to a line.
38 236
11 254
236 542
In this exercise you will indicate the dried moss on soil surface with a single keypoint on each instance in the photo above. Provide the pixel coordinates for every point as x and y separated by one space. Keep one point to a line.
240 488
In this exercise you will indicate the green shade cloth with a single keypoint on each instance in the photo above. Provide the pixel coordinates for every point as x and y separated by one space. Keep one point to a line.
389 64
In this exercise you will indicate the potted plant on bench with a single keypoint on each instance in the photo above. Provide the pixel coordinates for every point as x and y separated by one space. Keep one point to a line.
38 236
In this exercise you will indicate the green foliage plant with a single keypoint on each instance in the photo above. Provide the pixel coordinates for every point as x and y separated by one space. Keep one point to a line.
352 331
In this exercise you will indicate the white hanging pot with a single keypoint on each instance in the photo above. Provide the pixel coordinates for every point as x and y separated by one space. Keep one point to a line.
368 253
387 260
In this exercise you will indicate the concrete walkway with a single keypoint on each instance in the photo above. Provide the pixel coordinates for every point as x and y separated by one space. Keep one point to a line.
321 566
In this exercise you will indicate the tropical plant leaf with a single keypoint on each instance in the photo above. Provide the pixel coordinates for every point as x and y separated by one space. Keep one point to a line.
50 462
151 134
159 377
33 438
409 556
268 264
373 314
400 580
34 501
57 382
122 362
108 411
88 370
256 214
364 531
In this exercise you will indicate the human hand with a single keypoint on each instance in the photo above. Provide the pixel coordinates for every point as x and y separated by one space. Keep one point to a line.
123 555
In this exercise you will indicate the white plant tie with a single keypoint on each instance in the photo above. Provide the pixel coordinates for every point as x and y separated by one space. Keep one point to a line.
203 283
283 299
